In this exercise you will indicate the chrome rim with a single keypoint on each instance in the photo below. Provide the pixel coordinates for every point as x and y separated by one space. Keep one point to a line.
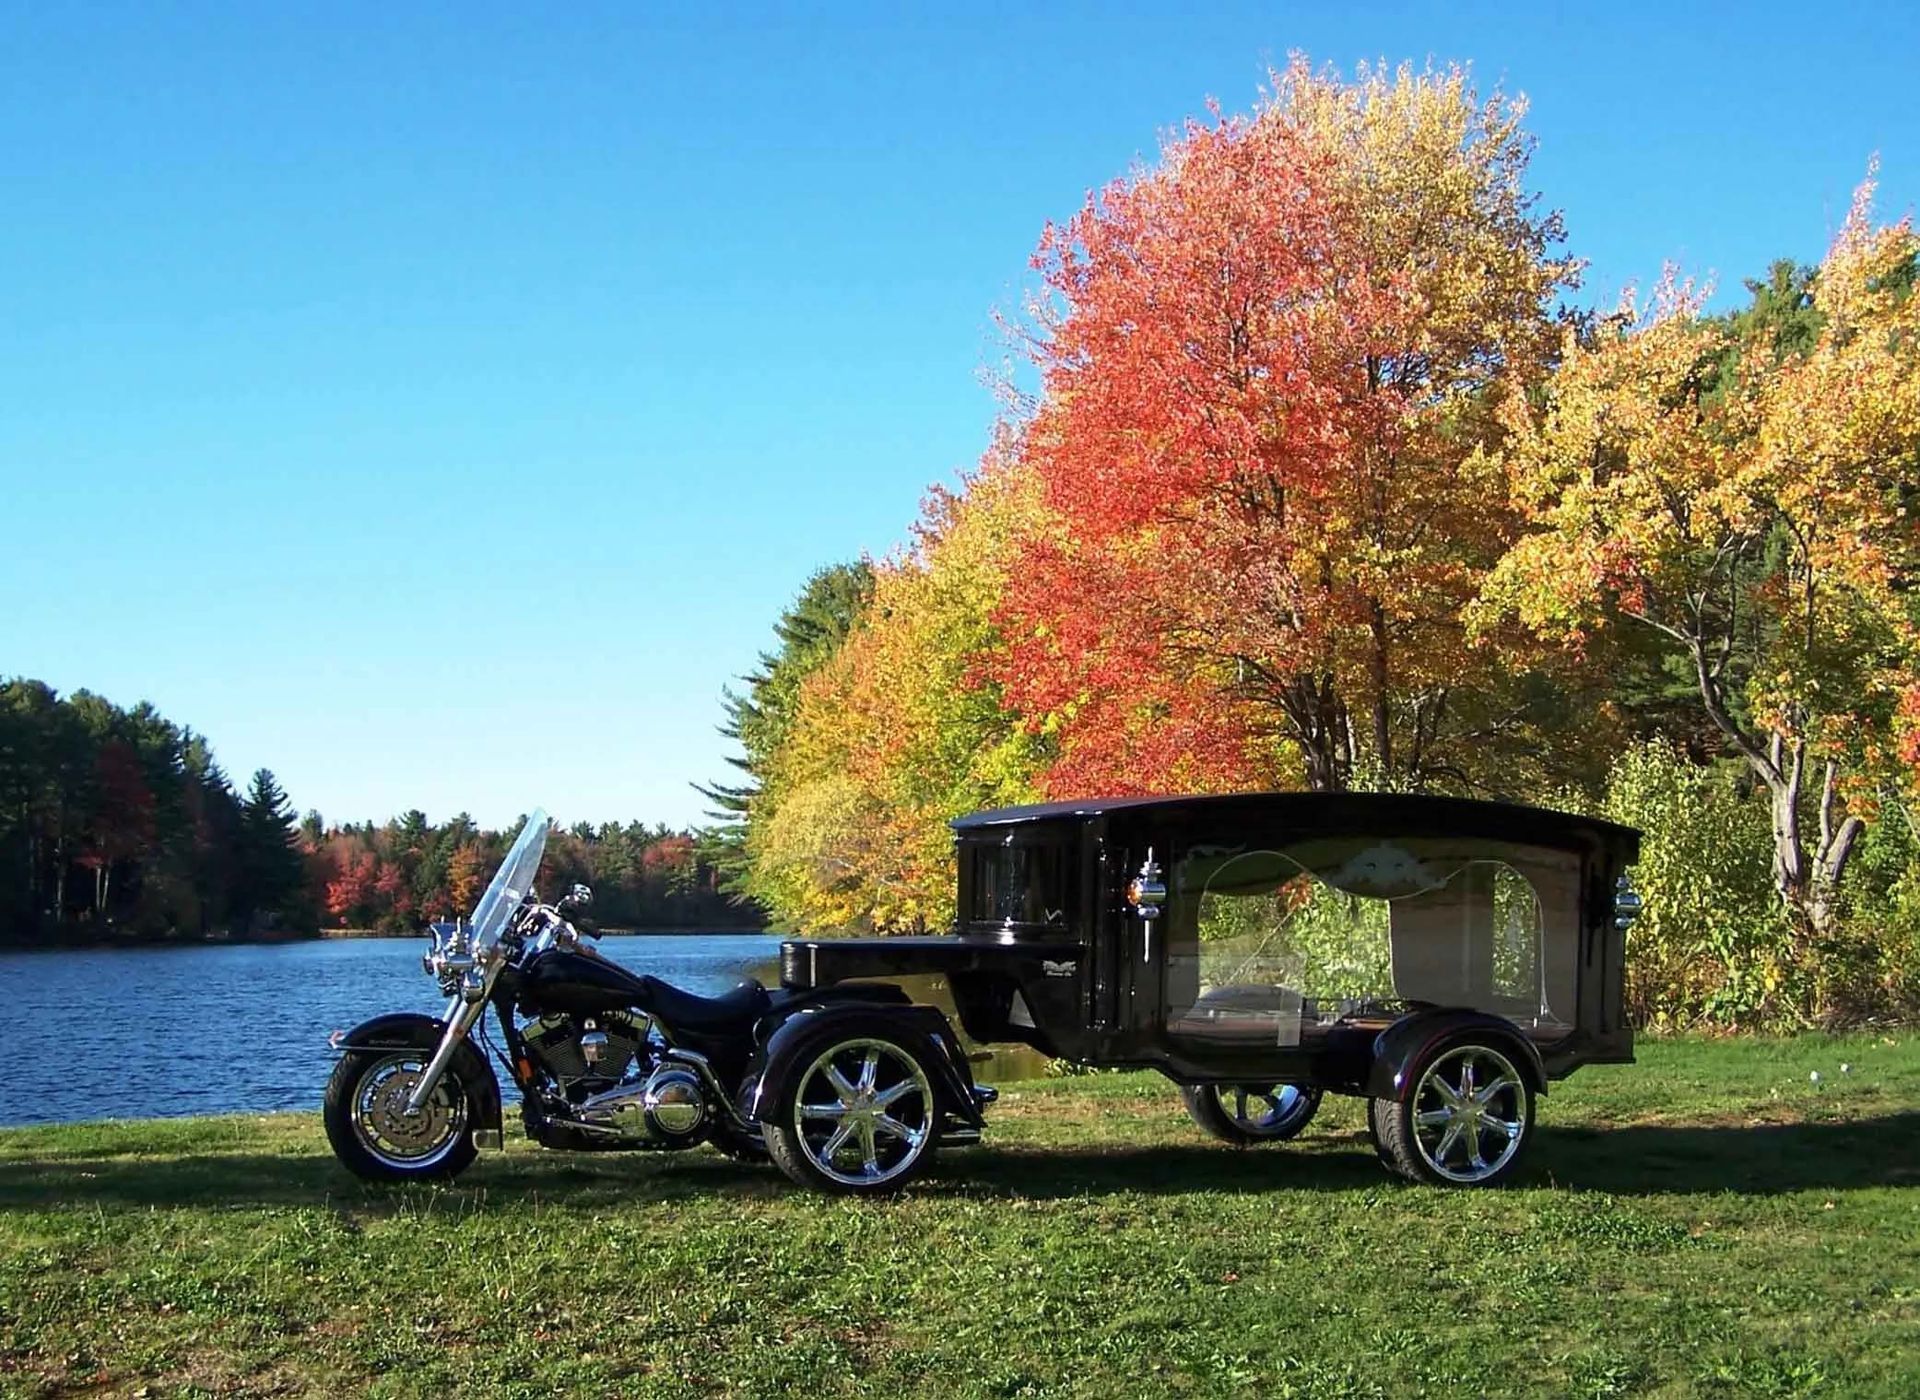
400 1139
1263 1110
863 1112
1469 1113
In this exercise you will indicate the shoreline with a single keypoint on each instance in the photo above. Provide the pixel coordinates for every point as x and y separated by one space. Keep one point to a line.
96 945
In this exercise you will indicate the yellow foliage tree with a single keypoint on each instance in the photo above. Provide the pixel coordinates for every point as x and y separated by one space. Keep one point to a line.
1750 505
904 729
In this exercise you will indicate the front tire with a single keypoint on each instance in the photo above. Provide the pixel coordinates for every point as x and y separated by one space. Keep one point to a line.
376 1139
860 1119
1245 1115
1466 1122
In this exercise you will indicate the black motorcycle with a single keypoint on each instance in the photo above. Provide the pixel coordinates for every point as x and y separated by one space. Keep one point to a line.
848 1088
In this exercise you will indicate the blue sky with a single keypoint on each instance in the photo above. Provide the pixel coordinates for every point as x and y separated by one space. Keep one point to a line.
436 404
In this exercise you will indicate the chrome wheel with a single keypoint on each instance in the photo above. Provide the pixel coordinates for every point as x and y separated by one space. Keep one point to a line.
1470 1113
863 1112
410 1142
1262 1111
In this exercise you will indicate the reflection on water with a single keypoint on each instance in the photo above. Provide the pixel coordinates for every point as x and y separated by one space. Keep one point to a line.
159 1032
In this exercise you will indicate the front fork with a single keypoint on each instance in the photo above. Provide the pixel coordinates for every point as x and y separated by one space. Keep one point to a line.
461 1017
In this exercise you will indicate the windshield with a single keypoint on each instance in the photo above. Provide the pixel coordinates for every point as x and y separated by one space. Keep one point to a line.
511 881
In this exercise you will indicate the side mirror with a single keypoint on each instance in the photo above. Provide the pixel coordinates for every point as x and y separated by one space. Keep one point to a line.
578 898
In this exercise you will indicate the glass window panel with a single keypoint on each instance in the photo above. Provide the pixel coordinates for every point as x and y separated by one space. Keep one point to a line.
1024 885
1266 946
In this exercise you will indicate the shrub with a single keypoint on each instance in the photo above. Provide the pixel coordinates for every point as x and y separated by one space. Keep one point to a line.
1712 945
1882 919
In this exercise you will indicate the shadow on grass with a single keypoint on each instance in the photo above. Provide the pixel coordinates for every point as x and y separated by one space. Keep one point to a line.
225 1179
1640 1160
1643 1160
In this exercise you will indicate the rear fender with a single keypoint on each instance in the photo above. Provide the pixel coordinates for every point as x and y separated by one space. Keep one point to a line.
1403 1044
810 1029
411 1030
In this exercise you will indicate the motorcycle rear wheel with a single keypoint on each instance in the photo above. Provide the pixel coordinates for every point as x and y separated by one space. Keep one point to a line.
860 1118
372 1134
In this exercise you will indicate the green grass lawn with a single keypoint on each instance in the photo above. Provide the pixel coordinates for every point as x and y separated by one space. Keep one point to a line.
1710 1221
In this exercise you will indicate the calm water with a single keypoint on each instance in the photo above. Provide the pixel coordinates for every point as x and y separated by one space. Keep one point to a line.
242 1028
154 1032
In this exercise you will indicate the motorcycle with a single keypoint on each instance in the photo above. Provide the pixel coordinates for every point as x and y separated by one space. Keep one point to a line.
847 1088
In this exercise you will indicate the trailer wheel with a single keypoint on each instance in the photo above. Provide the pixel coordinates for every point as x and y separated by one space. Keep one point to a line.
1248 1114
1466 1122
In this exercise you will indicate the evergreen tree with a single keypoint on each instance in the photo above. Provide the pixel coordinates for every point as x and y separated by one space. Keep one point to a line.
809 632
273 873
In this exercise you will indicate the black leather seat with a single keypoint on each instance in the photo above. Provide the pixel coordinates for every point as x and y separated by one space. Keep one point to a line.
731 1011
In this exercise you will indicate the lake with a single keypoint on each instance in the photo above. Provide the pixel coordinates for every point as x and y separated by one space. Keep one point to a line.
242 1028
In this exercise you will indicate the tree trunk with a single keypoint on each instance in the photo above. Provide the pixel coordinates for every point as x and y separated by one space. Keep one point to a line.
1382 719
1318 722
1808 881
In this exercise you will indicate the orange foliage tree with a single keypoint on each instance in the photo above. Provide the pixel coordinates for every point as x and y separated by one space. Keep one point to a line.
1269 368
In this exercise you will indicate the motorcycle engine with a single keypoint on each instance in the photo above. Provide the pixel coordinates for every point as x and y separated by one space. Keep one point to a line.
587 1055
618 1092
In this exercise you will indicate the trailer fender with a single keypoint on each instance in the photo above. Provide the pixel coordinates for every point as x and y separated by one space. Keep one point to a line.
923 1029
1403 1044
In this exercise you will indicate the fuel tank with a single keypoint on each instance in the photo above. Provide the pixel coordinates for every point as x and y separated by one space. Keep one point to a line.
579 982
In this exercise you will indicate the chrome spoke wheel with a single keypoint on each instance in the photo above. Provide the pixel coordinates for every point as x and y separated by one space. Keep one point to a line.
391 1134
1264 1110
863 1112
1469 1113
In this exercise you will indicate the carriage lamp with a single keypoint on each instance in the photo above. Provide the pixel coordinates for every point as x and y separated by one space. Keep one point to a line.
1626 904
1147 892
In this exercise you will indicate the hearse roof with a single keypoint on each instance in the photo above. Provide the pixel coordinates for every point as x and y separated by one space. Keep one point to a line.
1384 811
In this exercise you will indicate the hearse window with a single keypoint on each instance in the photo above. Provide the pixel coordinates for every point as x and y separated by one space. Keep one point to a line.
1267 945
1025 885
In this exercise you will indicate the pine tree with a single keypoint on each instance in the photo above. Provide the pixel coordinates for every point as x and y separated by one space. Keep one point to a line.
809 632
273 875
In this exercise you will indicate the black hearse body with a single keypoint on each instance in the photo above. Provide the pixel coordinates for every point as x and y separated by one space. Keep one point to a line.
1324 940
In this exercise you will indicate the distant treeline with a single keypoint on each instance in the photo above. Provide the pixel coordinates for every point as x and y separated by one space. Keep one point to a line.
118 824
395 876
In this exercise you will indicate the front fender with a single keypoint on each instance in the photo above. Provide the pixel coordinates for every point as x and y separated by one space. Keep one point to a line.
923 1028
412 1030
1413 1036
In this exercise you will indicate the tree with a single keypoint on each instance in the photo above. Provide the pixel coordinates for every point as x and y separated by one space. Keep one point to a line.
350 893
273 873
121 825
809 631
1269 367
1741 489
467 875
213 820
902 729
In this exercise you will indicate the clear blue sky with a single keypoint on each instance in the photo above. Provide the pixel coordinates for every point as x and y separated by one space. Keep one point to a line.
436 404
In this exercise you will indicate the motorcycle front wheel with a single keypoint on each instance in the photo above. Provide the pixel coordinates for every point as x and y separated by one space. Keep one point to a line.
376 1138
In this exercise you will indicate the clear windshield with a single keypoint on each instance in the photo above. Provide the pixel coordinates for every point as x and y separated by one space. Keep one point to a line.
511 881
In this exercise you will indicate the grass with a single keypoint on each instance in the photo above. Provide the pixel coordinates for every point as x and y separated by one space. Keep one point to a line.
1709 1222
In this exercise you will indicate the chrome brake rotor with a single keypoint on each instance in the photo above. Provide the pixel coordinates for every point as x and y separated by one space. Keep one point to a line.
408 1134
